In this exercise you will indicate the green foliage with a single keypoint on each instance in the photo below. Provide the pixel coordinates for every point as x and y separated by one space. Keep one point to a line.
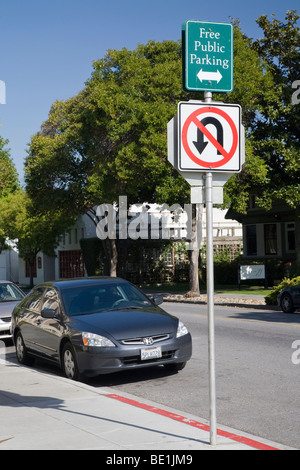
226 262
272 169
111 138
271 298
9 181
33 232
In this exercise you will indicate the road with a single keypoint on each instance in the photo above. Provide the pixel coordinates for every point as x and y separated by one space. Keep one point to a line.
257 382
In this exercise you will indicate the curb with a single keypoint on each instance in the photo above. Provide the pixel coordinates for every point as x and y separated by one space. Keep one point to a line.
230 302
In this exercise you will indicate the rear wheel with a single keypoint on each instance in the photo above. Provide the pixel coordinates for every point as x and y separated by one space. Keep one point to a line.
287 304
21 351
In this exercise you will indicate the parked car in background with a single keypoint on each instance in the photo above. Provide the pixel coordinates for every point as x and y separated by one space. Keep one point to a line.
10 296
289 299
97 326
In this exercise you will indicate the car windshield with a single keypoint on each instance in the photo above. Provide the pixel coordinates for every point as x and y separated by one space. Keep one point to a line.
9 292
102 297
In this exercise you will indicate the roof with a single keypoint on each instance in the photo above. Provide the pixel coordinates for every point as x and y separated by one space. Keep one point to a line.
81 282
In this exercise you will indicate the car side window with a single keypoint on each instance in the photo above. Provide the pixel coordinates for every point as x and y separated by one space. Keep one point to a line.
34 300
51 300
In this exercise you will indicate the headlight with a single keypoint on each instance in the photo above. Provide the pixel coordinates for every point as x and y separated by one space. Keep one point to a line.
90 339
181 330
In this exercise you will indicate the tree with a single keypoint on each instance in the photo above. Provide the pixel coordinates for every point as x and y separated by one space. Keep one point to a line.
111 139
32 232
273 172
9 182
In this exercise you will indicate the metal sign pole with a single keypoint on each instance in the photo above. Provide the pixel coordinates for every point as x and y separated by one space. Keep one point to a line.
210 307
210 299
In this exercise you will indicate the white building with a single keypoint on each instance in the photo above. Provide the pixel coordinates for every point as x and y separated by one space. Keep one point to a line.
9 264
68 262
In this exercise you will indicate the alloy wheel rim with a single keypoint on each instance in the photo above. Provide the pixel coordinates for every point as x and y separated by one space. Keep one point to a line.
69 364
286 302
20 348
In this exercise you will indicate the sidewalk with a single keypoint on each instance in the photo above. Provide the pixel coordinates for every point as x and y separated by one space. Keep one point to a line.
41 411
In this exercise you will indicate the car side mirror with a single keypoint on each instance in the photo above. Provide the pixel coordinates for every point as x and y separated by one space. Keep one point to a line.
158 299
49 313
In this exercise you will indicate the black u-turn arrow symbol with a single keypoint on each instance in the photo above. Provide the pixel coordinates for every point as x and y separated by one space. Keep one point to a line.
199 143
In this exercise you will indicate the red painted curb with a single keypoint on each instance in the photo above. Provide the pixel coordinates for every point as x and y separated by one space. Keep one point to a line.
234 437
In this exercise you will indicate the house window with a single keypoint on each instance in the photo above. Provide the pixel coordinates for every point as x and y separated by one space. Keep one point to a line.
270 238
71 264
290 236
251 240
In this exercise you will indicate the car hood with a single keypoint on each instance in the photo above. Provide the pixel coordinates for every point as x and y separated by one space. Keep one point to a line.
6 308
127 323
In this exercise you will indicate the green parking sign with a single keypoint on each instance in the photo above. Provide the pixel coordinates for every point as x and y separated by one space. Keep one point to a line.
207 56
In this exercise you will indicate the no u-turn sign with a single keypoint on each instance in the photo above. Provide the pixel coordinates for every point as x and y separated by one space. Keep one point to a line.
209 137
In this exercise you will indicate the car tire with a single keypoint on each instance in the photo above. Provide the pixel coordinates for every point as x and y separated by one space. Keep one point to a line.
287 304
69 363
21 351
175 367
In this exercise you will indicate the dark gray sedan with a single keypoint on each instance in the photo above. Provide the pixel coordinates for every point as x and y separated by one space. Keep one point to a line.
97 326
289 299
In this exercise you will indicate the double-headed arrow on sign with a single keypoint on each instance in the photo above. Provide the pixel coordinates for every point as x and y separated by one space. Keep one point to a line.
212 76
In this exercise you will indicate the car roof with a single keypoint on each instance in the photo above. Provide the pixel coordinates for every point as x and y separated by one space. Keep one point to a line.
81 282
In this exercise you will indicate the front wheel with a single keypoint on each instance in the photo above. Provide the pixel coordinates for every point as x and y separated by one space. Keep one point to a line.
287 304
69 363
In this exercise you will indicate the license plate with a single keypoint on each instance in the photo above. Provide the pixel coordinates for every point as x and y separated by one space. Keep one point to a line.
150 353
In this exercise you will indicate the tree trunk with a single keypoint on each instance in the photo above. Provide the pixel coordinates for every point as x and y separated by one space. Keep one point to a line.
109 246
113 258
111 254
31 266
194 289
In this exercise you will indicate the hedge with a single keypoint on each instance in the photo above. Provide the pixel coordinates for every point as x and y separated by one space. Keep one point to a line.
271 299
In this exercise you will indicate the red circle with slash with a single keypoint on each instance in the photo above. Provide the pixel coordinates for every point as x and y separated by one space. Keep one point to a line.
226 155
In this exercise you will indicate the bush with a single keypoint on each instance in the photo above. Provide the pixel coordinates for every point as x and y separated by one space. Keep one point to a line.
271 299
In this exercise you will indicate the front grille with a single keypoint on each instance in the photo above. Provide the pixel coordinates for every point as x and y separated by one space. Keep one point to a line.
6 319
139 341
135 360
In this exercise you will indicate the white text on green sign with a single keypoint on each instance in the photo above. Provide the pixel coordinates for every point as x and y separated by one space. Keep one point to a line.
208 56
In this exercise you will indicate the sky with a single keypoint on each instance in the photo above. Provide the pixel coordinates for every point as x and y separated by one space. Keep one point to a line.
47 48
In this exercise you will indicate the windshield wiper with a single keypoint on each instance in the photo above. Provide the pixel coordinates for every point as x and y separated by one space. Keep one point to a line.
127 307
